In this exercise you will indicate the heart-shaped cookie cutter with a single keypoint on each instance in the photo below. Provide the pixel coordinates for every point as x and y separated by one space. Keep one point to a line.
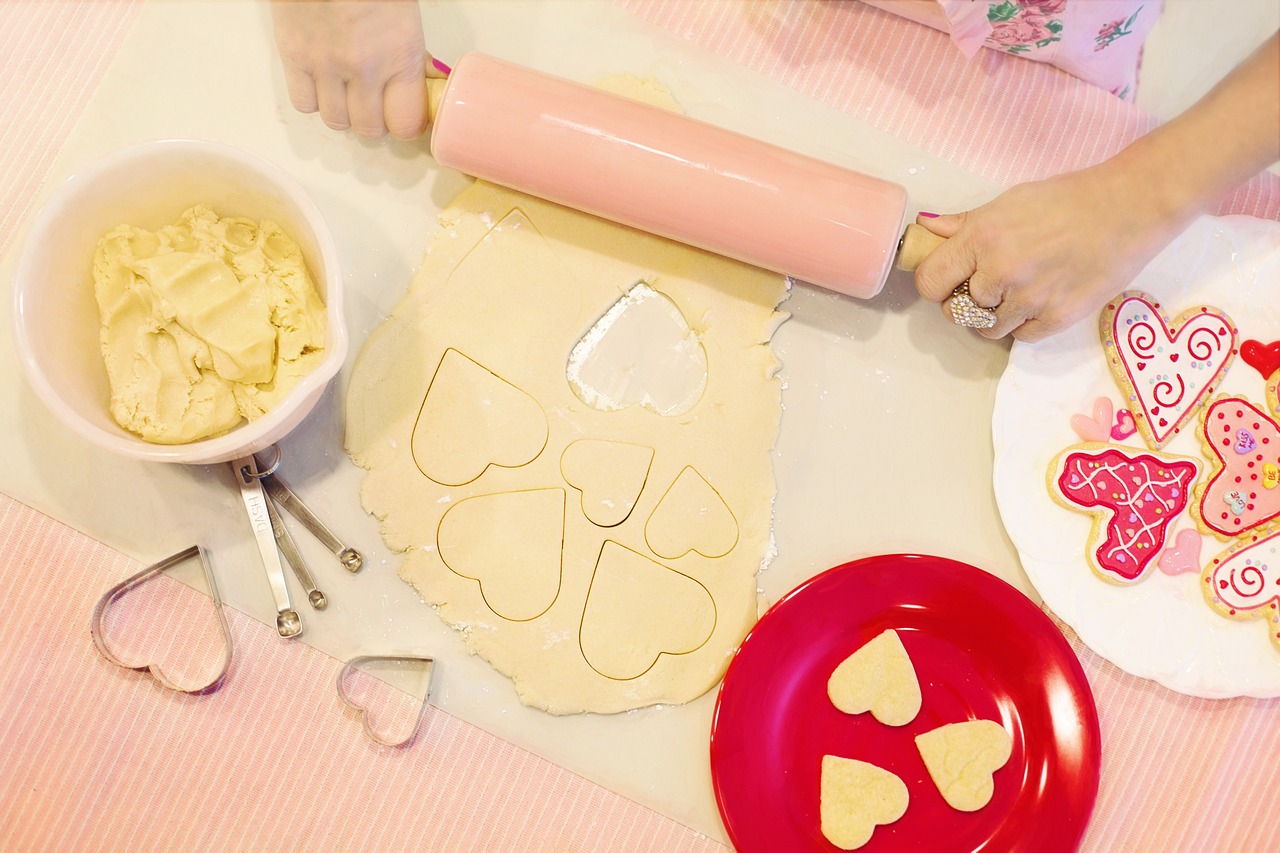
99 638
357 664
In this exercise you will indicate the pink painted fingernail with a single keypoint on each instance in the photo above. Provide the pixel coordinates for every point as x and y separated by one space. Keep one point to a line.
928 215
441 67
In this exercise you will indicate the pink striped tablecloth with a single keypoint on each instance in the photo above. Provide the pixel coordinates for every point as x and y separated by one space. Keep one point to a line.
97 757
101 758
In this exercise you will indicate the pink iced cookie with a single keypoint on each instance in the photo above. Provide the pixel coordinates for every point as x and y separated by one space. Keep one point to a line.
1243 582
1134 496
1165 370
1244 491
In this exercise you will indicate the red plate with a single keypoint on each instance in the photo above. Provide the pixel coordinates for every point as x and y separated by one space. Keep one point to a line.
981 650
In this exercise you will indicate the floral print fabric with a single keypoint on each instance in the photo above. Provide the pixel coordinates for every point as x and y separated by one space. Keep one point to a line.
1099 41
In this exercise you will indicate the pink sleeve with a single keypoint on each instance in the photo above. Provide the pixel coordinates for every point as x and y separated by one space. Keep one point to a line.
969 25
1099 41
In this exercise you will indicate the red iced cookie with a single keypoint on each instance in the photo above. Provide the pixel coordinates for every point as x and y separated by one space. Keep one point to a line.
1133 495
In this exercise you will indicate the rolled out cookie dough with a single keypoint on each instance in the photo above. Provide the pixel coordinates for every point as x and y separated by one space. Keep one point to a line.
476 355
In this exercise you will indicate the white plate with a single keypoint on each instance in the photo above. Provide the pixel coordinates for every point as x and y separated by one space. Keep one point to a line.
1161 627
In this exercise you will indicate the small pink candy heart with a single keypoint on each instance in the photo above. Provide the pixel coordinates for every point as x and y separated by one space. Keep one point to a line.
1125 425
1094 428
1184 556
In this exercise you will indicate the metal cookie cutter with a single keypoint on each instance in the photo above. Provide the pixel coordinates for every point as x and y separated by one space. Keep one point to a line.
361 664
264 495
99 639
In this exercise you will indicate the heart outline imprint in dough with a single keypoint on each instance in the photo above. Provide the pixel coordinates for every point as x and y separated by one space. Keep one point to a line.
1167 368
609 475
472 418
160 629
691 516
962 759
641 352
512 545
380 706
638 610
877 677
854 797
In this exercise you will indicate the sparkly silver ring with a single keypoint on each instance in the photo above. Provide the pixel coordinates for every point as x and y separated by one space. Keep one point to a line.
966 312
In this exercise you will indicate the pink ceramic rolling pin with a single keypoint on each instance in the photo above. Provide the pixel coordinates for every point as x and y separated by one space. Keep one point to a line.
668 174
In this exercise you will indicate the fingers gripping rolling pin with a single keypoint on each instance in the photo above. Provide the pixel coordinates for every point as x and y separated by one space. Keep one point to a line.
671 175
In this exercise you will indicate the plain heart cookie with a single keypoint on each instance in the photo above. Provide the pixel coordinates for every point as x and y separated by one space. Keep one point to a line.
856 797
879 678
961 758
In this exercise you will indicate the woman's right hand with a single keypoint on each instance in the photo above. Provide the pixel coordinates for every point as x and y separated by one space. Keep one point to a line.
361 64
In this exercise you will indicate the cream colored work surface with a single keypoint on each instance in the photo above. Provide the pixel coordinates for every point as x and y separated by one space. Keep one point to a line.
885 436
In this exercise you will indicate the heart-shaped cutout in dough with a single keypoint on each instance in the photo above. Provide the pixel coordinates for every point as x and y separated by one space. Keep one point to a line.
879 678
609 474
472 418
691 517
856 797
641 352
961 759
637 610
512 544
375 687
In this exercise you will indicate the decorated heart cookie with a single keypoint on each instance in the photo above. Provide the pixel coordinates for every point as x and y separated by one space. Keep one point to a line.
1134 497
1246 444
1243 582
961 759
1166 370
1273 395
856 797
878 678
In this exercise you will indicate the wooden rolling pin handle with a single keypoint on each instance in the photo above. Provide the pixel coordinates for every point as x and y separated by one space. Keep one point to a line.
917 244
435 94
